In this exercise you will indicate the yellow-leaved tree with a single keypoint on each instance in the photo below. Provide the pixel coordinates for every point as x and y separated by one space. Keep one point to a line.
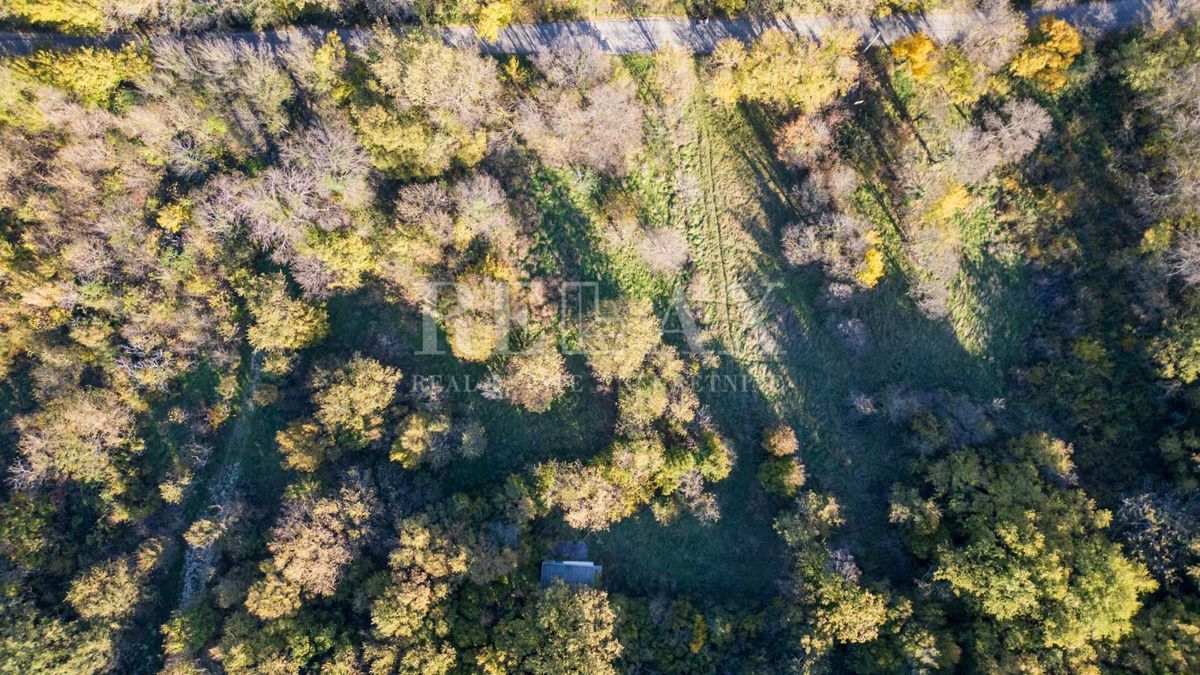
785 73
918 53
1052 49
93 75
494 17
80 17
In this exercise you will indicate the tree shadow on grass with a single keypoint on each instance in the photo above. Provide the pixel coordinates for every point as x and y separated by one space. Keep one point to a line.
577 426
566 244
858 459
737 558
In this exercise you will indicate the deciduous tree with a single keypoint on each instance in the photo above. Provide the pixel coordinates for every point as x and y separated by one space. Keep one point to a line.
1029 558
620 336
785 73
588 115
282 322
350 400
1052 49
535 377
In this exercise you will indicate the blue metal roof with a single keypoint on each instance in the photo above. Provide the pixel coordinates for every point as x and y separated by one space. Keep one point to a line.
571 572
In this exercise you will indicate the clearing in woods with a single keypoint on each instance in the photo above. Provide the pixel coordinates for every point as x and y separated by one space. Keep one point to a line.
783 362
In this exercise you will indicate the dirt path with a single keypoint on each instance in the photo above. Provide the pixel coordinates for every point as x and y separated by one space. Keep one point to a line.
198 561
728 225
634 36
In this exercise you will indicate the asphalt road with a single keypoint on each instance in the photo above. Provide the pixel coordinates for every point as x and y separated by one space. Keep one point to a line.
633 36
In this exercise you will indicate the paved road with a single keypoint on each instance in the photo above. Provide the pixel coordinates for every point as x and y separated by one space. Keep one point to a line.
633 36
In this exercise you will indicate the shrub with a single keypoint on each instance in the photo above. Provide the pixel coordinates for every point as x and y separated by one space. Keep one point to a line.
782 476
780 441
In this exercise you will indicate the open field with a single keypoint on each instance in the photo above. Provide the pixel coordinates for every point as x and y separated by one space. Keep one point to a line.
783 362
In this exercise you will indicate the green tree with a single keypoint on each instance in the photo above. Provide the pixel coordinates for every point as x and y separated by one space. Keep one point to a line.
567 631
186 632
1165 639
306 642
828 604
108 591
782 476
1027 556
273 597
305 445
350 400
31 642
425 566
27 526
282 322
1177 350
419 106
312 544
620 337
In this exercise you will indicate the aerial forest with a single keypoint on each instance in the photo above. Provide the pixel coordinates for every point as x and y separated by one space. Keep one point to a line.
326 343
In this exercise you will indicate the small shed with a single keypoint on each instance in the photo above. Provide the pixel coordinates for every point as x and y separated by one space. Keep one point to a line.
571 572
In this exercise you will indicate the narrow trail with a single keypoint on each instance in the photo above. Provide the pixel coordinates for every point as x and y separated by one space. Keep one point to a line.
198 561
726 226
712 217
645 35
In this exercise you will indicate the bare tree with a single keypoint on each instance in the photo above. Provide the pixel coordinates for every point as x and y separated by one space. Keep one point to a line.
589 115
248 81
838 241
853 333
808 138
1160 531
1177 100
1183 259
322 178
801 245
995 39
575 65
938 259
1167 15
483 209
390 9
1003 139
429 206
665 250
